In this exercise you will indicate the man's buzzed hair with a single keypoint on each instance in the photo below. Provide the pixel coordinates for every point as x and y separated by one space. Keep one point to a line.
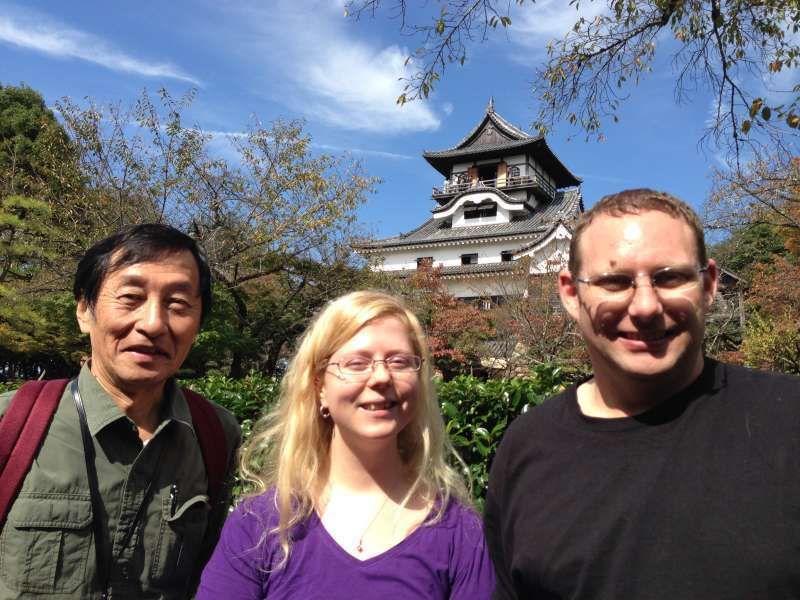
633 202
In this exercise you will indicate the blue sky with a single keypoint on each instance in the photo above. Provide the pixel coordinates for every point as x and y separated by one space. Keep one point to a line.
303 58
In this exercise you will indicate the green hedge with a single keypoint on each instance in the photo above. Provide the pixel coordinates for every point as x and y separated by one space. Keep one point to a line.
9 385
476 412
246 398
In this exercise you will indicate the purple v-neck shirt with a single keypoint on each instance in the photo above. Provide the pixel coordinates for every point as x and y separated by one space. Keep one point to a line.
447 560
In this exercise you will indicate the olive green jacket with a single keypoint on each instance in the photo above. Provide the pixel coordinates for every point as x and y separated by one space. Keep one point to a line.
46 545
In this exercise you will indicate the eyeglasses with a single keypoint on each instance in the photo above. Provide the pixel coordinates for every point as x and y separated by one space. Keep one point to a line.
360 367
666 282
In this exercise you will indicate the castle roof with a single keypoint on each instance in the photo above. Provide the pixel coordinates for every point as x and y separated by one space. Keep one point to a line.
564 208
494 137
464 271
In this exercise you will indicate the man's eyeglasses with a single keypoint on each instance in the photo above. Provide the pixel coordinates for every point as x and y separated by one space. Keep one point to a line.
666 282
360 367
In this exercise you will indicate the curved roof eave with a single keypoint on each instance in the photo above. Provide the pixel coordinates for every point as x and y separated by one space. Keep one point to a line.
484 190
443 160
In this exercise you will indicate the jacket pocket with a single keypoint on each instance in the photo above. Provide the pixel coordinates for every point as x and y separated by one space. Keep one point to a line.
179 540
45 542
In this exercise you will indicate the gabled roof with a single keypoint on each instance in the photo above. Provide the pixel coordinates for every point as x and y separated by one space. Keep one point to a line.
565 207
494 137
510 131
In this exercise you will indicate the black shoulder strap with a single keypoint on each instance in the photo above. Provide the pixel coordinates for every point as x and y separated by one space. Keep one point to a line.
94 492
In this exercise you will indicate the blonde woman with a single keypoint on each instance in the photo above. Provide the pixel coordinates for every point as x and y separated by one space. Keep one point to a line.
356 498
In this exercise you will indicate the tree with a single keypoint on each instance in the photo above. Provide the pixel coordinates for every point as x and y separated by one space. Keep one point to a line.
275 221
765 192
748 246
725 47
531 326
38 179
772 334
456 330
765 246
279 307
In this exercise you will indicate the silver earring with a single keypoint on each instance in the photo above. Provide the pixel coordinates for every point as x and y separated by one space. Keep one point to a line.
324 412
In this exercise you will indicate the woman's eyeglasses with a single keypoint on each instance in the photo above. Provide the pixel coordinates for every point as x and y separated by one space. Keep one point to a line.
360 367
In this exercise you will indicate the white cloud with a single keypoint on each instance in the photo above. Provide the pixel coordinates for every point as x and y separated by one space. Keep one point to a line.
48 37
448 108
332 76
214 133
533 25
378 153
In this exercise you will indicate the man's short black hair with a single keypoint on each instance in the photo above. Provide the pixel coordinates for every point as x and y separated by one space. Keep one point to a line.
132 245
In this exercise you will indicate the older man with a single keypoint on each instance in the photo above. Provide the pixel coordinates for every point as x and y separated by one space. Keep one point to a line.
125 510
666 475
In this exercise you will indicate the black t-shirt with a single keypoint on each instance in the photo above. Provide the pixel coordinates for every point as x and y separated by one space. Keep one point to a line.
698 498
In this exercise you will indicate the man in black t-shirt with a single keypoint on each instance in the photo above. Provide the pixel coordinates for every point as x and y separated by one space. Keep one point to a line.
666 475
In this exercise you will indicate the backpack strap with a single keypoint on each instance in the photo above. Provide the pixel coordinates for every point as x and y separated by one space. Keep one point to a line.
213 441
22 430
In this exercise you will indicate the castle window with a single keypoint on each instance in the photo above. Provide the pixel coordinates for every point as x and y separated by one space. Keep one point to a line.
481 211
487 172
469 259
507 256
424 262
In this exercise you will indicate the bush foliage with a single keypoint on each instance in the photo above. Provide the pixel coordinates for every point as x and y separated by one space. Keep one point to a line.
477 413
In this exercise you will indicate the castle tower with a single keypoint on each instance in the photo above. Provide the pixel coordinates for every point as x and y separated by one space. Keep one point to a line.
505 196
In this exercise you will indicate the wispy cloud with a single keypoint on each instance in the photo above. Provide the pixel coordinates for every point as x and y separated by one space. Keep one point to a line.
334 76
40 34
378 153
214 133
222 138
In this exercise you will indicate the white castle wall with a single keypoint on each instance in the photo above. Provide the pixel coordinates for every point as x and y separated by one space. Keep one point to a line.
551 255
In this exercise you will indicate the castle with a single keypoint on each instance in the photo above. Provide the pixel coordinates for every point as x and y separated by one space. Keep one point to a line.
505 196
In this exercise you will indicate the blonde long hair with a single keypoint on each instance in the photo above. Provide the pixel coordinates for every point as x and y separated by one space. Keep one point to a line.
290 450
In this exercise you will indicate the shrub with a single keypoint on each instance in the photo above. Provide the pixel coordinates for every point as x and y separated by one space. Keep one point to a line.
247 398
772 343
6 386
477 413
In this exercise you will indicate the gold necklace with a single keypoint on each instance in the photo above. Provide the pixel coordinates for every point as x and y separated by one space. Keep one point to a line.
360 545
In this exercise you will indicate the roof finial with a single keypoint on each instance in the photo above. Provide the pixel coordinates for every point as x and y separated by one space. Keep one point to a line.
490 107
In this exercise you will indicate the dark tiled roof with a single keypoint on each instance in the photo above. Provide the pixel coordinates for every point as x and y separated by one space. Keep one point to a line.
537 147
464 270
484 148
517 140
565 207
499 122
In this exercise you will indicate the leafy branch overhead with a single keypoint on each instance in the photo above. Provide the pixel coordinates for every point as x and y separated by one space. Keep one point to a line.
274 217
726 46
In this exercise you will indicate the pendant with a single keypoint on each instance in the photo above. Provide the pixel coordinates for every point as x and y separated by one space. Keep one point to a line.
359 548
